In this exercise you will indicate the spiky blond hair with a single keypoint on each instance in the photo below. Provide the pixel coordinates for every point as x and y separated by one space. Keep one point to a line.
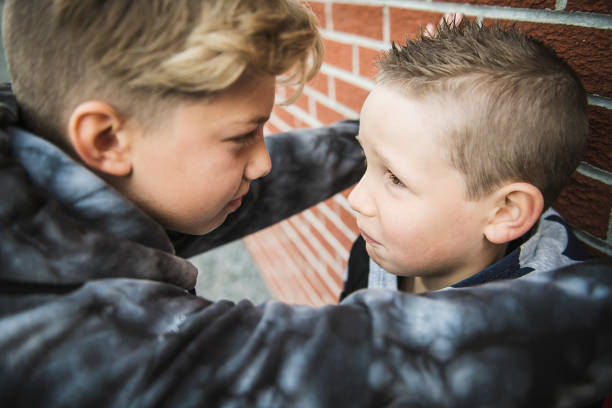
523 110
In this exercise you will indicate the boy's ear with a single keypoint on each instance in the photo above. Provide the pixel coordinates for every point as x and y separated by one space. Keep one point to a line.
96 132
516 208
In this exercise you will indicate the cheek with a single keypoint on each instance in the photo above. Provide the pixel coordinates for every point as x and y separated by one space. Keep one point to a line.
213 167
204 182
461 218
398 221
412 231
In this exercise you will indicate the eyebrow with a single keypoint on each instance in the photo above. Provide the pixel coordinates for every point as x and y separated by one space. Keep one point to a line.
384 160
253 120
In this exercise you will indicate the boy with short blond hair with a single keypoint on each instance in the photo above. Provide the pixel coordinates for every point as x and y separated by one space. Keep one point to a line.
134 139
173 51
470 135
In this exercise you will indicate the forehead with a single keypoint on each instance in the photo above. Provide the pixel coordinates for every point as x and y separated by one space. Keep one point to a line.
237 110
244 104
404 130
249 99
389 110
389 115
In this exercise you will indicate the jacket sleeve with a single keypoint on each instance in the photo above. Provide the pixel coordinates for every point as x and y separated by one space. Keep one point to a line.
544 340
308 166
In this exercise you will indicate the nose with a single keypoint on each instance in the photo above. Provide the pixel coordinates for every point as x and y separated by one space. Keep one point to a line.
360 199
259 161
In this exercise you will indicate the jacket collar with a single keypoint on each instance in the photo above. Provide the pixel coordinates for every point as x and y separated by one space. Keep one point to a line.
548 245
81 191
8 105
62 224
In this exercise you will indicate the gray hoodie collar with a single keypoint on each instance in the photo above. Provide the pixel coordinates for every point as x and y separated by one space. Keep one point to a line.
83 192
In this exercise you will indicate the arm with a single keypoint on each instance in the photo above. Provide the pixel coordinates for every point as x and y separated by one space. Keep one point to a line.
541 340
308 166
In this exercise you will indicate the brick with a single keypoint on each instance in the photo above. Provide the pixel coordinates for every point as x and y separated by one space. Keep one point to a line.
265 268
599 152
342 271
350 95
339 235
586 203
296 281
335 275
320 239
338 274
367 62
320 286
285 266
305 267
285 116
407 23
346 217
539 4
294 222
270 282
302 102
308 288
350 222
298 287
347 192
360 20
272 129
593 6
326 115
319 10
339 54
319 83
332 229
329 299
272 285
300 124
587 51
318 282
285 93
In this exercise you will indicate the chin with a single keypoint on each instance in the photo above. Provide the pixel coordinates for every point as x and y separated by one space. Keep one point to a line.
206 229
213 225
390 267
193 229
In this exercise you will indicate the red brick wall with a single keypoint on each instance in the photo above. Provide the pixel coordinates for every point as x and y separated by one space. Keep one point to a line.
303 259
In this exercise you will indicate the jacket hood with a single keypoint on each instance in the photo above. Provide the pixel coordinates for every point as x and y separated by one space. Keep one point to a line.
8 106
59 214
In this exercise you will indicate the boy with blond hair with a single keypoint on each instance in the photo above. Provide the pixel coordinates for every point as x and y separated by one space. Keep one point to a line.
470 134
134 139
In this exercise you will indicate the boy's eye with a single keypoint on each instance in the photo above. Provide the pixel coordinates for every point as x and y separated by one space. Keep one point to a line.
393 178
247 138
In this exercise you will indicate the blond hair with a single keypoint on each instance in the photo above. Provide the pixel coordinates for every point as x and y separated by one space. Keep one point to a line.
139 55
524 109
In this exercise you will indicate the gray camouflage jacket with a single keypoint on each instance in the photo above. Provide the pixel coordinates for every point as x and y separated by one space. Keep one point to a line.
95 308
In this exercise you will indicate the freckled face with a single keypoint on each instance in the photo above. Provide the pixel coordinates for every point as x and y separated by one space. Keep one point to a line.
410 203
193 171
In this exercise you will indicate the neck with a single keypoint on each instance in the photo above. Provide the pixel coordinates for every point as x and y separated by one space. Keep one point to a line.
444 278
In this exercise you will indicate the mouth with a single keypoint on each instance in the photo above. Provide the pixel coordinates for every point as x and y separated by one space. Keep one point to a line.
368 238
236 202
